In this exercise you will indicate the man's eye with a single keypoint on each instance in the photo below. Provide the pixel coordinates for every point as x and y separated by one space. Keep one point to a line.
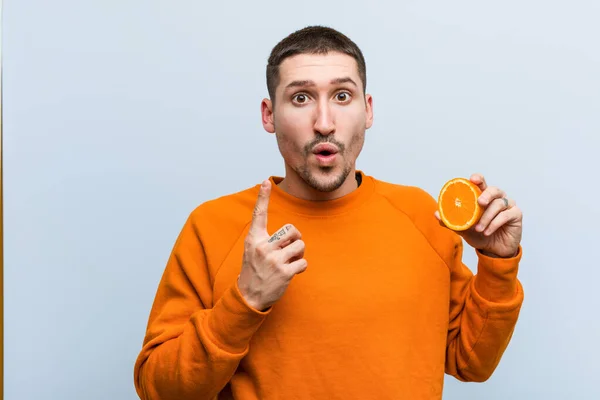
300 98
343 96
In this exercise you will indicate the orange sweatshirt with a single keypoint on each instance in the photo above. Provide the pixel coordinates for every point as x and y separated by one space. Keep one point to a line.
384 309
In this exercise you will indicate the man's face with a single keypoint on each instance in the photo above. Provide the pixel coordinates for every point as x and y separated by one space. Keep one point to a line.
319 117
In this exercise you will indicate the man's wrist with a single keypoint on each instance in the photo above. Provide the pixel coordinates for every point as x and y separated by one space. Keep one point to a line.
250 300
494 255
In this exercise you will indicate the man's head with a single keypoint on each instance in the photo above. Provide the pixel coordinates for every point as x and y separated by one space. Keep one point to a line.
316 78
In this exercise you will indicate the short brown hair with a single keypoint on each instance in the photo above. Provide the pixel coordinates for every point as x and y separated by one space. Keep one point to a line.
312 40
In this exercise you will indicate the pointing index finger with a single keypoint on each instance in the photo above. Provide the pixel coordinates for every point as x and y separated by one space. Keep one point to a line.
259 215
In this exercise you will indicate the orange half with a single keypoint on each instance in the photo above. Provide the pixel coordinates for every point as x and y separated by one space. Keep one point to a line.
457 204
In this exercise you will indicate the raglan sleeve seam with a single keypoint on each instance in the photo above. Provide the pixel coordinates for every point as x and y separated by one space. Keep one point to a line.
419 230
218 269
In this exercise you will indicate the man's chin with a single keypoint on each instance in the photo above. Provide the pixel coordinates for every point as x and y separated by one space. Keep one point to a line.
326 179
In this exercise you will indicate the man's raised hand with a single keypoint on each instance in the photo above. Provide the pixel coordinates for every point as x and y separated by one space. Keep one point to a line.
270 261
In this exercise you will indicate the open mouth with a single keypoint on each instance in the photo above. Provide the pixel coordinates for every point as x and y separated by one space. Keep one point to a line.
326 157
325 153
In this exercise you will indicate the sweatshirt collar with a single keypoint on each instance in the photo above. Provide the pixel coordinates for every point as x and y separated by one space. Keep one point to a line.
287 202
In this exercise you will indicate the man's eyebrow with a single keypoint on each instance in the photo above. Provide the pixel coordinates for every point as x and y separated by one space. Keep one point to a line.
308 83
305 83
346 79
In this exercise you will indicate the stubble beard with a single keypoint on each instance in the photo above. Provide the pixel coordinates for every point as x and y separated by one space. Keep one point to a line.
332 180
328 185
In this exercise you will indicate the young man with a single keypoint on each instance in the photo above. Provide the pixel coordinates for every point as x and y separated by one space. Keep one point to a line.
328 283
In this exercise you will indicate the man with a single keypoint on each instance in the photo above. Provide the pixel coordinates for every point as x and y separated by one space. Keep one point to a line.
328 283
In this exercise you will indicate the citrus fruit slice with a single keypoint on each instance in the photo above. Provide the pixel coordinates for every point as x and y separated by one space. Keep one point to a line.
457 204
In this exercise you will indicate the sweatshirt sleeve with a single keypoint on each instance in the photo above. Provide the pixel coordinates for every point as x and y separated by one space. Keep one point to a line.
192 348
484 309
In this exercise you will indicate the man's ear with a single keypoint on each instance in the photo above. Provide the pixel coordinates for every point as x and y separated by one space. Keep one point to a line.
369 110
266 110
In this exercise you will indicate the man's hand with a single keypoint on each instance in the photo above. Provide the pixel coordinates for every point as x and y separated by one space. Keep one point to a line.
499 230
270 261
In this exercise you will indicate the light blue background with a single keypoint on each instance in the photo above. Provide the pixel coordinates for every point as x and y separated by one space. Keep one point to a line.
121 116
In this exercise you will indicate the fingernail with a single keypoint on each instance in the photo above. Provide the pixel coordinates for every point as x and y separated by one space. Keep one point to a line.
479 227
264 185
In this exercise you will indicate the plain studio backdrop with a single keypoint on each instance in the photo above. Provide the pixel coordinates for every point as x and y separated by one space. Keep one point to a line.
120 117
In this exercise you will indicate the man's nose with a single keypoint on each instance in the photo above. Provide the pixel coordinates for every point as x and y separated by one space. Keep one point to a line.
324 121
